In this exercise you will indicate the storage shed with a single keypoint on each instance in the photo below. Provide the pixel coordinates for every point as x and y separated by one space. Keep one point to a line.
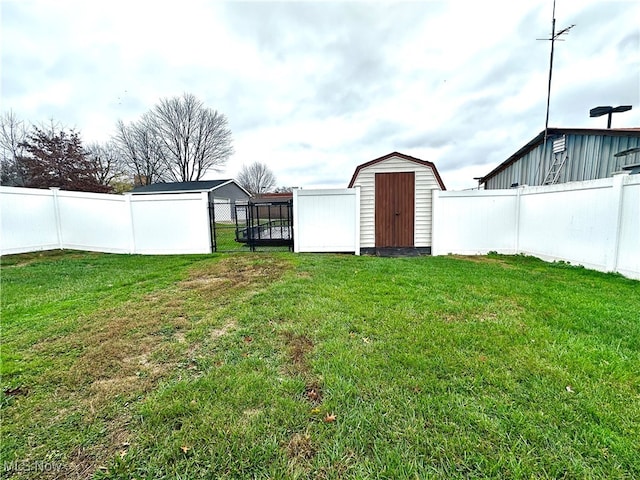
395 203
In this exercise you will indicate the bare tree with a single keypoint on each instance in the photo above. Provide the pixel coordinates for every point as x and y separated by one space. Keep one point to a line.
194 138
178 140
257 178
107 162
140 152
13 134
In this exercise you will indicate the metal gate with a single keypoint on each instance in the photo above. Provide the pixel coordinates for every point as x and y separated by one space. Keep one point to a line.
265 224
251 226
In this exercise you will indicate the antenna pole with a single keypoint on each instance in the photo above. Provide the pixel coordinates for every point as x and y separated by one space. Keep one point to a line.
553 39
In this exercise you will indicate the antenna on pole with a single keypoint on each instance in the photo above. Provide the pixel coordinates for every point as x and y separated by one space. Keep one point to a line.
554 37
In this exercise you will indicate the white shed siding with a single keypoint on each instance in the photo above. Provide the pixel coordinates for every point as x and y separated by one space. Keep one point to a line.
425 182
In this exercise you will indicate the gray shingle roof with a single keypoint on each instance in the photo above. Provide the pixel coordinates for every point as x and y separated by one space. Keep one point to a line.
199 186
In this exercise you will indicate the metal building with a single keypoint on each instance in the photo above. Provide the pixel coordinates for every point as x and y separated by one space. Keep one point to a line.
569 155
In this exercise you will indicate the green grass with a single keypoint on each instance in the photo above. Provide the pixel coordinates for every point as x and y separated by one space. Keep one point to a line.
231 366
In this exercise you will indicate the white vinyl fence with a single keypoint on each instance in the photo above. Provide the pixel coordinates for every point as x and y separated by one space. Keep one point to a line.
326 220
34 219
594 223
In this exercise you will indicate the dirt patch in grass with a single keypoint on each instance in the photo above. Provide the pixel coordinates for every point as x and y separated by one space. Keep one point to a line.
222 331
16 391
313 393
124 351
298 347
483 259
233 273
119 346
300 447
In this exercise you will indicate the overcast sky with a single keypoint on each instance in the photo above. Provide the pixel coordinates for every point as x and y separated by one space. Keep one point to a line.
314 89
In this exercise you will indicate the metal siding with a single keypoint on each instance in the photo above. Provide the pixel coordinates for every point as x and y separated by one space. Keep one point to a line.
230 191
589 157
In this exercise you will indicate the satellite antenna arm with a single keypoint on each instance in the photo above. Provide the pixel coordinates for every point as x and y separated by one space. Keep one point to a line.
564 30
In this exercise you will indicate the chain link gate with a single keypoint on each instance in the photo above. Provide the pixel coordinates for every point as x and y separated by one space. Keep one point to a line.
251 225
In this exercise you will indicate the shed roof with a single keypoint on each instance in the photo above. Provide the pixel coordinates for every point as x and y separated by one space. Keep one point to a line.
280 196
538 139
180 187
404 157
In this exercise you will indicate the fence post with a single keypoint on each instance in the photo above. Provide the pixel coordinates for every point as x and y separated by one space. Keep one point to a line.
517 221
56 213
435 231
132 237
296 235
617 197
207 215
357 245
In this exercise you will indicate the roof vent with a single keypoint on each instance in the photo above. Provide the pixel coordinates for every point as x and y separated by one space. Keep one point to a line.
560 144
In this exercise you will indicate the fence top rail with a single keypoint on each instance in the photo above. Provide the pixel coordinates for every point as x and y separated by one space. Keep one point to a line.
326 191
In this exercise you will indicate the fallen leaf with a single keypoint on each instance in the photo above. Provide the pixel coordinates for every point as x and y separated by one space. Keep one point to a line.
330 418
312 394
366 340
248 339
315 411
569 389
185 449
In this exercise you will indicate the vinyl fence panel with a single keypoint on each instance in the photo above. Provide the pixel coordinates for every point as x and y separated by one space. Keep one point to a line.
171 223
94 222
35 219
594 223
575 222
27 220
326 220
474 222
628 258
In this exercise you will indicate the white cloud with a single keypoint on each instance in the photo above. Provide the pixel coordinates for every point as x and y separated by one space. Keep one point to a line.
314 89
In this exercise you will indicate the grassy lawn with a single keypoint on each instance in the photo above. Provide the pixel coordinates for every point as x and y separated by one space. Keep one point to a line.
275 365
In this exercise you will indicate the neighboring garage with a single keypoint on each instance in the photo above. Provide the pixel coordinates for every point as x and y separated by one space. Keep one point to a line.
395 203
220 189
223 194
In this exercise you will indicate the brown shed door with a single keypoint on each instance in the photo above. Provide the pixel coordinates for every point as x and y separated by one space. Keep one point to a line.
395 194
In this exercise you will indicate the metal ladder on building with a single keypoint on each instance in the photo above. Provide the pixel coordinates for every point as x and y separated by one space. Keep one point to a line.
559 158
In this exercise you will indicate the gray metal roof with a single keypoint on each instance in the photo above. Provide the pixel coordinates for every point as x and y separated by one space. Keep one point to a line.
198 186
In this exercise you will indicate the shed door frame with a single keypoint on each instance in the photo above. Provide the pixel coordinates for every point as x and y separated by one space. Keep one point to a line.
395 210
